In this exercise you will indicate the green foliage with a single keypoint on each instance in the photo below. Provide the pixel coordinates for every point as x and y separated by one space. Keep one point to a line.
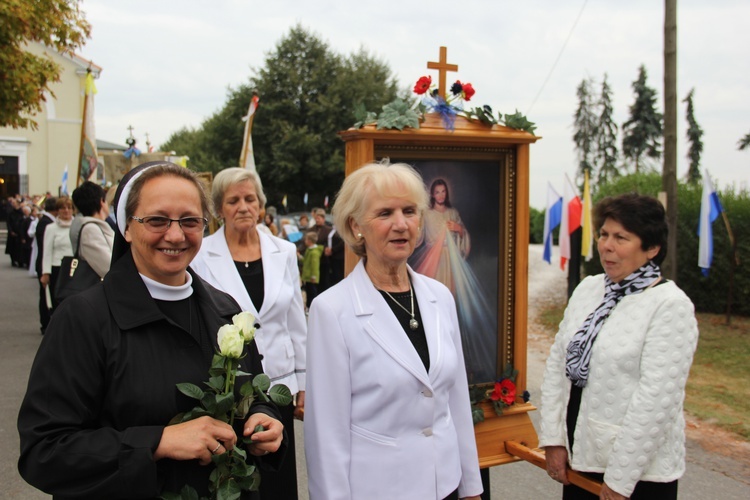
709 294
536 226
400 114
694 134
585 129
519 122
397 115
483 114
280 395
643 130
25 77
606 143
744 142
308 94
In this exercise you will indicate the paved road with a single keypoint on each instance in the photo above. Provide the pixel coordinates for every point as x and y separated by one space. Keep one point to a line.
19 339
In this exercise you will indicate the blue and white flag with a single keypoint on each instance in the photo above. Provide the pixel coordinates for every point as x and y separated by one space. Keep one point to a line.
710 210
552 218
64 183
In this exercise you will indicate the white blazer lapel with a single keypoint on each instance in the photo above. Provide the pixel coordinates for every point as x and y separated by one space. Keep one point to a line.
381 324
222 268
429 310
274 267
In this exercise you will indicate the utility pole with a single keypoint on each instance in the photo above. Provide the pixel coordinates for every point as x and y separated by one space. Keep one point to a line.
669 172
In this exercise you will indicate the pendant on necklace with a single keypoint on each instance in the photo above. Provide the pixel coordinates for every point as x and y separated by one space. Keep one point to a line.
413 324
247 264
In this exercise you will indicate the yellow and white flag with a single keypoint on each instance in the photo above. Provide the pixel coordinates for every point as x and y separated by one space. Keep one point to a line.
88 157
247 158
587 233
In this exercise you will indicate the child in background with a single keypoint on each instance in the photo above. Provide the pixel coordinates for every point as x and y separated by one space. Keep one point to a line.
311 266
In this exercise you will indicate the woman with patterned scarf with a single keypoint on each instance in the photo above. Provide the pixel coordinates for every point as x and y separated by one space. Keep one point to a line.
614 383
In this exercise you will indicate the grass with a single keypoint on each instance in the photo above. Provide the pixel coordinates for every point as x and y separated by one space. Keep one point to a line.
718 391
718 388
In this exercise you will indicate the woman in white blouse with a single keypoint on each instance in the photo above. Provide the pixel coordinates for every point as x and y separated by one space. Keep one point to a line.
260 272
56 246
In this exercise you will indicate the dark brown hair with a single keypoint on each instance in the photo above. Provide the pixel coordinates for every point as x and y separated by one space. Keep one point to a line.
641 215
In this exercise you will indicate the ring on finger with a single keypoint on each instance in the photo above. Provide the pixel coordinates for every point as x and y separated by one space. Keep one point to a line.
213 452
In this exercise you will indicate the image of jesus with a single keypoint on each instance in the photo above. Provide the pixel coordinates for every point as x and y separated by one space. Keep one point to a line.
441 253
444 235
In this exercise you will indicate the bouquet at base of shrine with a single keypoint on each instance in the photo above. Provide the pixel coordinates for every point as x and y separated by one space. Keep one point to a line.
232 473
501 395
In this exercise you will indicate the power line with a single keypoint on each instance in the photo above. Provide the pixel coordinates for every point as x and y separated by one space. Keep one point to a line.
559 55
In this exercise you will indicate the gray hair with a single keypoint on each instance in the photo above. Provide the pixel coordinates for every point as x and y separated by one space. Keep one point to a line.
230 177
399 180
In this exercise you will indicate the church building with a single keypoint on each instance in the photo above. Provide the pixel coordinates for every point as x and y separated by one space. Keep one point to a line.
33 161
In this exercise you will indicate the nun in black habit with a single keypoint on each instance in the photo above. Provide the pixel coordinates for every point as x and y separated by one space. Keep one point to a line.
102 389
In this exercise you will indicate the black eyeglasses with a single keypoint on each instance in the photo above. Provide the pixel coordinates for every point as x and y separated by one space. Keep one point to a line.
159 224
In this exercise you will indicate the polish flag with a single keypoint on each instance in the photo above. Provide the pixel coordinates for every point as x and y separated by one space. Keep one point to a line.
571 219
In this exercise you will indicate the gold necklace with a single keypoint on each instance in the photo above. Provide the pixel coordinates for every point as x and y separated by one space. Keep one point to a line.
413 323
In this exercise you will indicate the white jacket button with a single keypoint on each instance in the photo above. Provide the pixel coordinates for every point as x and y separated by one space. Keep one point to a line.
427 432
427 393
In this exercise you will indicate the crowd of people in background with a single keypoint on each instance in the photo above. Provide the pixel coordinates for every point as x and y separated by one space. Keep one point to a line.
27 218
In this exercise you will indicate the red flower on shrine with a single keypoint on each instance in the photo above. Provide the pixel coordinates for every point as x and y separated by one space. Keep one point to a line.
468 90
505 391
423 85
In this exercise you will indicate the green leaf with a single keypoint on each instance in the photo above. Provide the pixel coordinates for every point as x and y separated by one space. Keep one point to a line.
228 490
261 382
191 390
195 413
280 394
477 414
398 115
224 403
520 122
240 373
247 389
177 419
209 402
252 482
217 383
243 407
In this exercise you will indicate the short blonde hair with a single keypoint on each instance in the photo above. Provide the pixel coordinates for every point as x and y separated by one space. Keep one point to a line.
230 177
399 180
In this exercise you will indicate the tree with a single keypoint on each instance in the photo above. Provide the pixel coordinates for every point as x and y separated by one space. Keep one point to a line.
694 134
26 77
606 147
307 95
642 132
585 126
744 142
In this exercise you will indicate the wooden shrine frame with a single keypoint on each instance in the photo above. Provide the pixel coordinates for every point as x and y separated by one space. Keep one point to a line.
509 150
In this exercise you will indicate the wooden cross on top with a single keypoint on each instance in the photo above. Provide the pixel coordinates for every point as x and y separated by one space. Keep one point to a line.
443 67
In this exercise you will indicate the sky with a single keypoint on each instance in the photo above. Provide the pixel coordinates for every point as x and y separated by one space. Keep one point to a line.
167 64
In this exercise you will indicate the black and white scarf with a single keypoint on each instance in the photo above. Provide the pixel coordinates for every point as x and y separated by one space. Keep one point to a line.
579 350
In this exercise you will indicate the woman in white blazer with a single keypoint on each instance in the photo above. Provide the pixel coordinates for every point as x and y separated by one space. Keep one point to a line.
260 271
387 410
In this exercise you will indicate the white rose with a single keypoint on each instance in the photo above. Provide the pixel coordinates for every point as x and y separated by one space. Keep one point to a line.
245 322
230 341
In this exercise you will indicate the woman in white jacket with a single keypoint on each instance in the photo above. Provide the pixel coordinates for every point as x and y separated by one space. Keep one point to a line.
56 246
614 383
388 413
260 272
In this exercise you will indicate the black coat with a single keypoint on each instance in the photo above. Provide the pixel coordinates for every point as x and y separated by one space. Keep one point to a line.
102 389
39 236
